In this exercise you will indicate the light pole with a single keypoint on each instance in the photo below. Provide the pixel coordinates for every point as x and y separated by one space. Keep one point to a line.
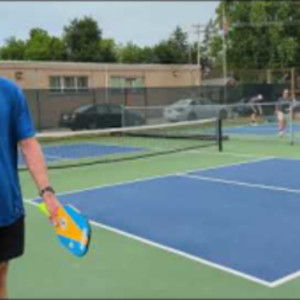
225 29
198 31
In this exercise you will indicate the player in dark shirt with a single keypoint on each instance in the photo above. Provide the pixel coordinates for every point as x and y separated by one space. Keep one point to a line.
282 110
256 108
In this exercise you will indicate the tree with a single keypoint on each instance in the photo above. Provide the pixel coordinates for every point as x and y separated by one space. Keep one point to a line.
131 53
263 34
208 47
164 53
41 46
57 49
174 50
82 39
147 55
108 50
179 42
13 49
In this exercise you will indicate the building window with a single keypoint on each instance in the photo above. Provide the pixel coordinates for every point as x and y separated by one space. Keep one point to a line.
68 84
55 84
120 83
82 83
116 83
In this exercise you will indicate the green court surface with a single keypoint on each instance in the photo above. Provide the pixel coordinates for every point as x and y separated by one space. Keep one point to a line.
118 266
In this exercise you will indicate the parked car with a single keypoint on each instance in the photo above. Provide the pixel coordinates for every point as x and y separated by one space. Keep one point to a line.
100 116
193 109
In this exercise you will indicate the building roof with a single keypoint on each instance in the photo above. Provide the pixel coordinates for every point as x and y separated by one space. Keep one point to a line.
91 66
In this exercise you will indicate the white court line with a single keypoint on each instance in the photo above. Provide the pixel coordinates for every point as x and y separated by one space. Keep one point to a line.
98 187
285 279
192 257
222 153
186 255
57 158
274 188
174 251
60 158
235 182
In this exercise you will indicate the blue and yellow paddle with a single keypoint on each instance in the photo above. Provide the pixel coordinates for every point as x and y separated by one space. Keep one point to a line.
73 229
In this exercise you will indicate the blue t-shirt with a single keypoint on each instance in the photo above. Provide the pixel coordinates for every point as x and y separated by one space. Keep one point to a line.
15 125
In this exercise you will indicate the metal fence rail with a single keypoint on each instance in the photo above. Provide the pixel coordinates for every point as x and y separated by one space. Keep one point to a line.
47 106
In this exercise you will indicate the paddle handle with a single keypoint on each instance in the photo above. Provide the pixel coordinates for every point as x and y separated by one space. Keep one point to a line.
43 208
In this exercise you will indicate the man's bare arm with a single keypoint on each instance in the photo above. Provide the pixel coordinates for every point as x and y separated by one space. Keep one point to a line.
36 165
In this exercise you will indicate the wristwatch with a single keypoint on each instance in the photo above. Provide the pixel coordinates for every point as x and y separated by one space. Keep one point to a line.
47 189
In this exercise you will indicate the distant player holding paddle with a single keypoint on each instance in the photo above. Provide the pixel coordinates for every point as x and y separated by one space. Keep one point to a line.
255 104
17 129
282 110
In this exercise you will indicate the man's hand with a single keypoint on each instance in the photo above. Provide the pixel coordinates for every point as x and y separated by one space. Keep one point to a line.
52 205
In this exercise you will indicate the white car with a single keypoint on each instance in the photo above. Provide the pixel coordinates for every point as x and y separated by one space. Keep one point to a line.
193 109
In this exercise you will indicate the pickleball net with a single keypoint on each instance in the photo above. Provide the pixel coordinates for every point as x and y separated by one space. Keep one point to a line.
87 147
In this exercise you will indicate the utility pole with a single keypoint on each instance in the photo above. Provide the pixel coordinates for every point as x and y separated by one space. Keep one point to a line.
198 29
224 31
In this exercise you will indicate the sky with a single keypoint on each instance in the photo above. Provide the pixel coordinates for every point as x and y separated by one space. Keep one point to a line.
143 23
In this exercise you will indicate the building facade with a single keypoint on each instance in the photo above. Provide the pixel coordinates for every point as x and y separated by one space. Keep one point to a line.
64 76
53 88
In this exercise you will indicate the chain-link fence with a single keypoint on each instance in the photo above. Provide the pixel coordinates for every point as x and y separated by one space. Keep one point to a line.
49 107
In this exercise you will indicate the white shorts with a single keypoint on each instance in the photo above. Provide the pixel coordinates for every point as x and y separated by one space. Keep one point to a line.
280 116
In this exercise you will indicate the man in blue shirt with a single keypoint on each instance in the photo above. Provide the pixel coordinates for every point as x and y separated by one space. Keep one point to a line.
16 129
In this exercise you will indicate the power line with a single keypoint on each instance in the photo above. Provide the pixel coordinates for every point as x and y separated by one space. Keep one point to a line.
198 31
267 23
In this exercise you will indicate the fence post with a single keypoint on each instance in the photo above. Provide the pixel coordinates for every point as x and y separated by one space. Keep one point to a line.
38 105
219 134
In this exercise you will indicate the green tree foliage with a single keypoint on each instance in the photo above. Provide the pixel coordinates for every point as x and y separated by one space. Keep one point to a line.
262 34
82 39
108 51
147 55
57 49
131 53
175 50
13 49
208 55
41 46
210 31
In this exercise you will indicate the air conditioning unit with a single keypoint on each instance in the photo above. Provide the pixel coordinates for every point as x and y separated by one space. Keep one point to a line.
19 75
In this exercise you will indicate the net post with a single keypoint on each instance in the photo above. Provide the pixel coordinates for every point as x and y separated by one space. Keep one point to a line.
219 134
291 127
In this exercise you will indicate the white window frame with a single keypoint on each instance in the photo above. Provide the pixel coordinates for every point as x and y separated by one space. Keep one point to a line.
124 83
63 89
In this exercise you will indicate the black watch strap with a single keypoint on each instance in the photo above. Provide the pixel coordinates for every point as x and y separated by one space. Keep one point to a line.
47 189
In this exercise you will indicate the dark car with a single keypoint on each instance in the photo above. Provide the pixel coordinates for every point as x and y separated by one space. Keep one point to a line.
100 116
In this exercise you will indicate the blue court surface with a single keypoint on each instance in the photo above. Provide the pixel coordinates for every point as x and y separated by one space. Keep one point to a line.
244 218
82 150
261 129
